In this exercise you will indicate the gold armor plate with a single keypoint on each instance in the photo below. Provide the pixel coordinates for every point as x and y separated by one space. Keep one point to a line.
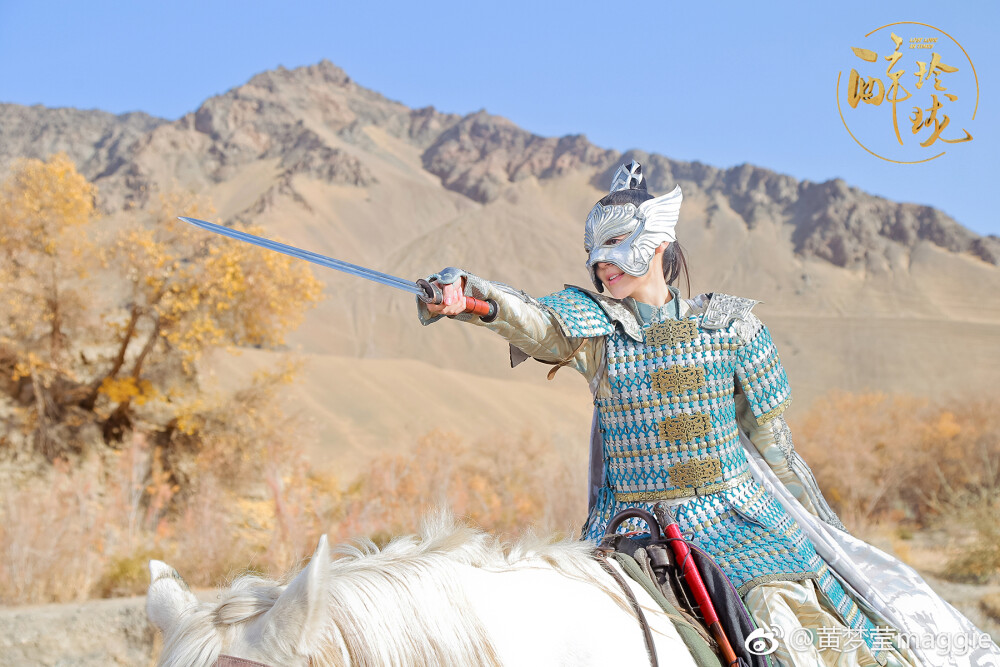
685 427
696 472
677 379
689 492
671 333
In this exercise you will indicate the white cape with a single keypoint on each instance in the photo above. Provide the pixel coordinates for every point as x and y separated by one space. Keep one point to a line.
888 589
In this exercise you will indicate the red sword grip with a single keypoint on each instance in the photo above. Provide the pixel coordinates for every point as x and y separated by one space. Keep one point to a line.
477 307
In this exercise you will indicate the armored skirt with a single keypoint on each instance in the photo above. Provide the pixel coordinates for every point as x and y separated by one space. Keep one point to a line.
675 388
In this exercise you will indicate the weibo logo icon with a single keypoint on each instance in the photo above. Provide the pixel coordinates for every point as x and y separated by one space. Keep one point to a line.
761 642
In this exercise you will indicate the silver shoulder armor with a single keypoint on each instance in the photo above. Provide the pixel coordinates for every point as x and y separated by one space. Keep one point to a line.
620 313
726 309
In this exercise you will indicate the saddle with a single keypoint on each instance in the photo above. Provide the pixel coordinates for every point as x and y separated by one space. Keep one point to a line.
715 630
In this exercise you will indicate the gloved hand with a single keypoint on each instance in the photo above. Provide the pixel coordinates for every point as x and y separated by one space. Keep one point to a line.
452 284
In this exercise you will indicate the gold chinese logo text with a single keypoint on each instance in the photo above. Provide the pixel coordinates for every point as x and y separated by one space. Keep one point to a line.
884 81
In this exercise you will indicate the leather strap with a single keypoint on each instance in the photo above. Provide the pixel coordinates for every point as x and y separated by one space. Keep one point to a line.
231 661
647 633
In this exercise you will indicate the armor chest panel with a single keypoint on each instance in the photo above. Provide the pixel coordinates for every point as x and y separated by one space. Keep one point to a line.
669 418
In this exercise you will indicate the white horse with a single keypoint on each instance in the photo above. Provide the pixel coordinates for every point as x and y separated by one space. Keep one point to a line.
454 596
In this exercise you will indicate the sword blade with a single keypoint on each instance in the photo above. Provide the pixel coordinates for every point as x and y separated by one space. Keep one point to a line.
315 258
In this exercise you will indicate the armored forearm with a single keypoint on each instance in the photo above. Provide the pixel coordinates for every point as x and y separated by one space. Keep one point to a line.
773 440
530 328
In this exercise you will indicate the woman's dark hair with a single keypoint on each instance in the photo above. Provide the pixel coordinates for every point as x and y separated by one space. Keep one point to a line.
621 197
675 264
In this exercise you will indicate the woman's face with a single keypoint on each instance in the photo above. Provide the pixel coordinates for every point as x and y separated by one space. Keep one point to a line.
645 288
618 283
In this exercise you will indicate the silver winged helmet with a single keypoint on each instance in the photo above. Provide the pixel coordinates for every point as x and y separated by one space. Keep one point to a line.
629 209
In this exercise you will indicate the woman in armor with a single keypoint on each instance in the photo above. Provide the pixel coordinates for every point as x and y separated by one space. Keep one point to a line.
681 386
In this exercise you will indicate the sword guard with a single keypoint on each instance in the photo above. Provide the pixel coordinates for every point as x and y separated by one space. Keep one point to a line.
432 293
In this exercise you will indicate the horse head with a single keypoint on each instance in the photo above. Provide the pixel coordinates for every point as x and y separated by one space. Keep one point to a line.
255 619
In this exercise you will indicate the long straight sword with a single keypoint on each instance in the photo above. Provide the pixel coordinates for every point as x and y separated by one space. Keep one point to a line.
425 291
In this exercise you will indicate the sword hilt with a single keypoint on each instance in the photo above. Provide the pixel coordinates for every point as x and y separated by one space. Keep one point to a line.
486 310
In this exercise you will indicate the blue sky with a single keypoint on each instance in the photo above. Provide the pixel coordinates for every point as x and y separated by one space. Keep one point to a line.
719 82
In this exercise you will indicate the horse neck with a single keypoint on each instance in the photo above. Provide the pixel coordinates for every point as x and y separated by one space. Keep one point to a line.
415 613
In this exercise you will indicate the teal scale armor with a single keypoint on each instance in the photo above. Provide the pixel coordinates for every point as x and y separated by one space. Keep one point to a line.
670 432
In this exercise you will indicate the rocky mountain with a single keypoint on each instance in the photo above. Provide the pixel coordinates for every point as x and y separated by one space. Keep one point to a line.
861 292
299 117
100 143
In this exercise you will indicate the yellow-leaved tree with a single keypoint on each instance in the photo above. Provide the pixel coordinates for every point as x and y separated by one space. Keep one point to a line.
45 208
103 323
89 346
187 291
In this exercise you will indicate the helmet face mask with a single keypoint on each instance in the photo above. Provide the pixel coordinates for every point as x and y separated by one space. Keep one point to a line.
609 223
647 224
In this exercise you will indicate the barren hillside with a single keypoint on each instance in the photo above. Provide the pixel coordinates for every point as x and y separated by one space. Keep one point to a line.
861 292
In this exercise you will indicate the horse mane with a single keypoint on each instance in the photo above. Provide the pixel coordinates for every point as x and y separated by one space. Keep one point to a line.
401 604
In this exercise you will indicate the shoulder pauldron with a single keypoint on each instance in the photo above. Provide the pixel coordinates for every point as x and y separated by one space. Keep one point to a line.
585 314
726 309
